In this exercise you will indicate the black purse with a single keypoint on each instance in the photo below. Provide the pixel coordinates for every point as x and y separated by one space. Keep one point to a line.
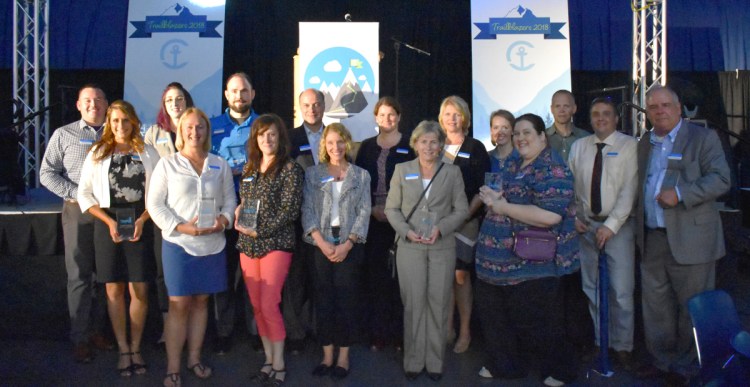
393 250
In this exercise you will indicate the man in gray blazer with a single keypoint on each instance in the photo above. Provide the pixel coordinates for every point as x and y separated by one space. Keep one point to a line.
681 172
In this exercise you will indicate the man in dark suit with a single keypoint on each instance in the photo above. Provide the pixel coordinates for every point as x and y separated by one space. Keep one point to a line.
305 141
681 172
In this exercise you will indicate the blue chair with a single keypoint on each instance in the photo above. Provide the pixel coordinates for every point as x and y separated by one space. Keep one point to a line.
715 324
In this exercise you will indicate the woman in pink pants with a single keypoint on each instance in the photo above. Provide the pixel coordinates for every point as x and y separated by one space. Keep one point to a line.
271 194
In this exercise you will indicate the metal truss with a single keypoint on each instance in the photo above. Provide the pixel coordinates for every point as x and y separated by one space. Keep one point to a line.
31 83
649 53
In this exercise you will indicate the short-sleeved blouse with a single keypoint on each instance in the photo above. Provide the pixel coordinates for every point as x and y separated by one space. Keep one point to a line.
547 183
280 197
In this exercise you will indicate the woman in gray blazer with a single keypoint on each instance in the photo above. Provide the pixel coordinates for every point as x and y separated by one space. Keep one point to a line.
426 263
335 216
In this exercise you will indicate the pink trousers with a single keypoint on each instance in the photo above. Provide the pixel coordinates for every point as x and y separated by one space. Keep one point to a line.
264 278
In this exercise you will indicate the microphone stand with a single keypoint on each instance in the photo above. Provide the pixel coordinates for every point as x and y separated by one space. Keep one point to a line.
397 48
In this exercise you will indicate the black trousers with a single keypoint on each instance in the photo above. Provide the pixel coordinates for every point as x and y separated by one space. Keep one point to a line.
337 288
521 319
385 311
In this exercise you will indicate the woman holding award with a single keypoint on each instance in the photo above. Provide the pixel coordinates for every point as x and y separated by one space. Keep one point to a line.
335 217
271 196
162 136
192 201
113 185
426 258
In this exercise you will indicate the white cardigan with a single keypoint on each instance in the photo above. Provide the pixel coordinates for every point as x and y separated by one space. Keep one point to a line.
93 188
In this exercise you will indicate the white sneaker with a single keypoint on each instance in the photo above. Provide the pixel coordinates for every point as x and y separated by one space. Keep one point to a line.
552 382
485 373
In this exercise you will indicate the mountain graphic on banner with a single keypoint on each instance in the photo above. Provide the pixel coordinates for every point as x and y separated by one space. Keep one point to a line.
349 98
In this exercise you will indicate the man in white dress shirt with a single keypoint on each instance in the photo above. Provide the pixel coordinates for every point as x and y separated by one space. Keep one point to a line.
605 167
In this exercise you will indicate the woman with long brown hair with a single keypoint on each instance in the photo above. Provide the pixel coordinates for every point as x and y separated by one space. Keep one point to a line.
272 187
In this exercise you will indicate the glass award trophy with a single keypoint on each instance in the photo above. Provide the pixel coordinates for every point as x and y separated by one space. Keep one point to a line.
249 214
206 213
494 181
426 221
125 222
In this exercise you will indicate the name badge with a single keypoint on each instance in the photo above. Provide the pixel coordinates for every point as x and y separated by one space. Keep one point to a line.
249 179
86 141
611 154
402 151
214 167
411 176
162 141
326 179
463 154
219 131
135 157
675 156
304 148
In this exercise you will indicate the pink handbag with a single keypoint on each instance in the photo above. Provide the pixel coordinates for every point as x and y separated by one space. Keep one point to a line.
535 244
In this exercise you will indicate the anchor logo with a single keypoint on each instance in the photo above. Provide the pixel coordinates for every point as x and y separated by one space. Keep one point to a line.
520 53
172 49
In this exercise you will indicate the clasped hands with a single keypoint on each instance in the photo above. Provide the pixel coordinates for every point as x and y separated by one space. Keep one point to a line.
415 238
117 238
191 227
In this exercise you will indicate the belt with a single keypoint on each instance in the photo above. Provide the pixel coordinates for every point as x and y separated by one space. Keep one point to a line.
600 218
657 229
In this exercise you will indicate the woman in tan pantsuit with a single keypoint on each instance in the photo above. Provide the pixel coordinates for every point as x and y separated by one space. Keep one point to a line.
426 265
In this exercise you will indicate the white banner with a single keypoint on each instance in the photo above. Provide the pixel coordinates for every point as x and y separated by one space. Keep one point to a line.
520 57
341 60
174 42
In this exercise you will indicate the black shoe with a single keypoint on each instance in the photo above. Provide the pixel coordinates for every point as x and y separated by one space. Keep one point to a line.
222 345
411 375
295 347
339 372
322 370
649 371
436 376
256 343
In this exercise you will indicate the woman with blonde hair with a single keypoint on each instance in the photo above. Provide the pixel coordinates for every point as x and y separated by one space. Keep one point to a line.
113 187
335 218
187 184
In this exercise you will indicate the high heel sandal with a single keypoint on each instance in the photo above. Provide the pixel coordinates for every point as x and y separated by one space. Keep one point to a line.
274 380
173 380
137 368
201 371
262 376
126 371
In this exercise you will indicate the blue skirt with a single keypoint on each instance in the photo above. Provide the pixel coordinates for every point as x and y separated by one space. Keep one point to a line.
187 275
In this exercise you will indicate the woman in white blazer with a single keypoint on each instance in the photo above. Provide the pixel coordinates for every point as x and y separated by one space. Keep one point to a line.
113 185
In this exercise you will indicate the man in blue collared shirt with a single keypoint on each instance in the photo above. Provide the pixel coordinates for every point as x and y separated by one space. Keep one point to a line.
229 133
682 169
60 172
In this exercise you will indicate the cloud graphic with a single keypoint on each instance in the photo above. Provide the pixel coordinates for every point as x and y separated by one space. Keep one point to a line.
332 67
314 80
362 78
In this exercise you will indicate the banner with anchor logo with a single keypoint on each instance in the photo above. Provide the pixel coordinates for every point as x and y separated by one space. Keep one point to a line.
170 41
520 57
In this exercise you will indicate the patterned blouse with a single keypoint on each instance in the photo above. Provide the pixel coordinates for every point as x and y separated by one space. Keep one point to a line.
280 198
547 183
127 179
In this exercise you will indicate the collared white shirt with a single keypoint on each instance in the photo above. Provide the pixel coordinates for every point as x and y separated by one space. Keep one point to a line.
619 176
314 139
174 197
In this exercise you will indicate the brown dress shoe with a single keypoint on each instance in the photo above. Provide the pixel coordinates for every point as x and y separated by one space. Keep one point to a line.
98 341
624 359
649 371
82 353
